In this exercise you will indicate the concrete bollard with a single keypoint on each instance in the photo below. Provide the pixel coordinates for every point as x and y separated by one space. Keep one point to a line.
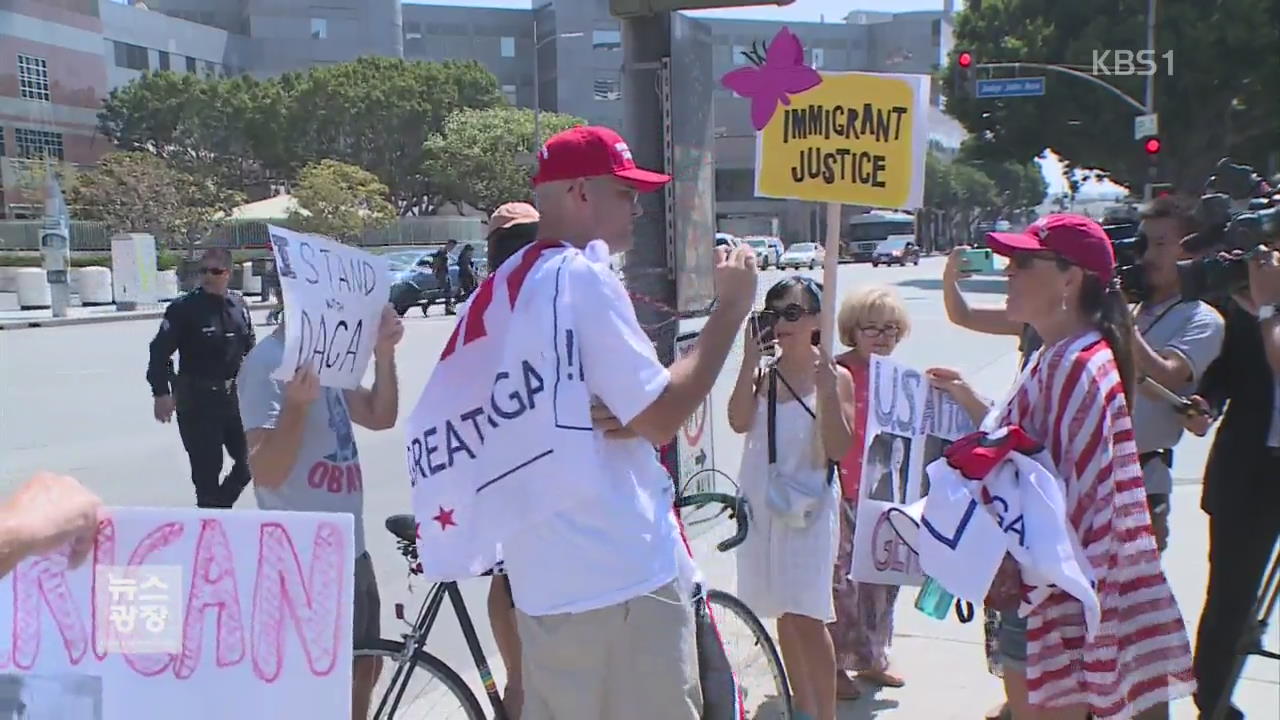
251 284
33 289
95 286
166 284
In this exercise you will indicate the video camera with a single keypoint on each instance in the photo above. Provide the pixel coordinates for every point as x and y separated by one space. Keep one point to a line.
1237 213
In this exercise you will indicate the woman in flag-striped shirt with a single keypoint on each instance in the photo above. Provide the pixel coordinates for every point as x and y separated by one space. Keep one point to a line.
1074 397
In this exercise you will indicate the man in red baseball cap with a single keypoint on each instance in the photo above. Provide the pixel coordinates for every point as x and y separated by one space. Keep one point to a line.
602 590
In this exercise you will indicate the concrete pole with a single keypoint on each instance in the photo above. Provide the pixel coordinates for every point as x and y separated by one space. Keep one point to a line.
1153 165
537 86
645 42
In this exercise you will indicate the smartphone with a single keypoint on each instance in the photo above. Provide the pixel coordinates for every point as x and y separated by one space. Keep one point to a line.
975 260
762 331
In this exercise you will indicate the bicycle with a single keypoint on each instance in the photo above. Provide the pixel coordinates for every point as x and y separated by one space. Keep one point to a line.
455 698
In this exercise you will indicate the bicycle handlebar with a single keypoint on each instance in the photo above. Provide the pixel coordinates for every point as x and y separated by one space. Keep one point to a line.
739 510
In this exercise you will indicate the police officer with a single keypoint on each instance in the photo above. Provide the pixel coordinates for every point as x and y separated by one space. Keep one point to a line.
212 331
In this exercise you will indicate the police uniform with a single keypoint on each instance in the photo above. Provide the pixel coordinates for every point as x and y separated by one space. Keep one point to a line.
211 333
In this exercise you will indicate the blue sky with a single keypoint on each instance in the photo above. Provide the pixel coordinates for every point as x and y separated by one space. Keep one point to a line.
830 11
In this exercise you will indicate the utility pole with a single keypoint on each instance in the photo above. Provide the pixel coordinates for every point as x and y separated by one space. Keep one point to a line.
1153 164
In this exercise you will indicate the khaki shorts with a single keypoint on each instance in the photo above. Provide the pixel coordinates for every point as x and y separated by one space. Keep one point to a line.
633 661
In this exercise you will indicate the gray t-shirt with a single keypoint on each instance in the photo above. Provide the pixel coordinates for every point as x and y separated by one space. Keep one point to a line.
1195 331
326 477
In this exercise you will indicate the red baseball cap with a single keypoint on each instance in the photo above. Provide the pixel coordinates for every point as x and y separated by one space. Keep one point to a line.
1075 238
591 151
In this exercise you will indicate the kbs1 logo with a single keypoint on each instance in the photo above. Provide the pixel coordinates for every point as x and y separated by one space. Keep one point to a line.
1131 62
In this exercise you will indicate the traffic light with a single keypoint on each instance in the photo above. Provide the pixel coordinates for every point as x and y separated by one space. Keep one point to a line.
1151 146
964 80
1161 190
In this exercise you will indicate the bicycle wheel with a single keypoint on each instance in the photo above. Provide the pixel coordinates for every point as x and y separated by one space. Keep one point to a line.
753 657
433 691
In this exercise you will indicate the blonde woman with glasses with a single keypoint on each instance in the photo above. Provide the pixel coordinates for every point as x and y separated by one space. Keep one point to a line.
870 322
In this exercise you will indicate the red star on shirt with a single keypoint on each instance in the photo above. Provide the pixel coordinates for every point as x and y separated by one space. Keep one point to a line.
445 518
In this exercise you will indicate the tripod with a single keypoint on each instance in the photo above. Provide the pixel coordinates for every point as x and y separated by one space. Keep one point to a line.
1251 638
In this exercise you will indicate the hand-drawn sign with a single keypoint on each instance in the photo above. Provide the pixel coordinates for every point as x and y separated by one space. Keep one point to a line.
254 606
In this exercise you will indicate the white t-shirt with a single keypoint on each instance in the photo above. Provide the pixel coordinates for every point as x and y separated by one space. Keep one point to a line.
624 542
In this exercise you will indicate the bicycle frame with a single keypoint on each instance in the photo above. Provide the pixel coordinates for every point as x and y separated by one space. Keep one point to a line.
416 639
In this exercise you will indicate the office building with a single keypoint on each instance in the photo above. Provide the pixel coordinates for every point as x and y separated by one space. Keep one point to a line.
59 58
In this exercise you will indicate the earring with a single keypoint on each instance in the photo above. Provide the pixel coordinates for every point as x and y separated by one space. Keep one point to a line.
1064 302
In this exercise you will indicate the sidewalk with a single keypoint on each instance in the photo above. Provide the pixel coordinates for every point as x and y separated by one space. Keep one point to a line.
14 318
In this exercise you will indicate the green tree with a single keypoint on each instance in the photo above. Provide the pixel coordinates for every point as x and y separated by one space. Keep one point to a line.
477 159
340 201
140 192
1220 98
377 113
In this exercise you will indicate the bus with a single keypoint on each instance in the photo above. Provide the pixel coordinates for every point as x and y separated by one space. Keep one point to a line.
864 232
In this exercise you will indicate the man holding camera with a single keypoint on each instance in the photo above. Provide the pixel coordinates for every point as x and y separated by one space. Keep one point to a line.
1242 476
1175 340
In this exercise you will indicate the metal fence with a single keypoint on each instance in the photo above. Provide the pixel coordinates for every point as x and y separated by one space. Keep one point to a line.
95 236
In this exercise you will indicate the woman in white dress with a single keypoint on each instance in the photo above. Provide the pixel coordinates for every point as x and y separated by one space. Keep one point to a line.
784 567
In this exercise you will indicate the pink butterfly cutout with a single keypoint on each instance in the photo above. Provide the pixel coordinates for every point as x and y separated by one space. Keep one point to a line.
782 75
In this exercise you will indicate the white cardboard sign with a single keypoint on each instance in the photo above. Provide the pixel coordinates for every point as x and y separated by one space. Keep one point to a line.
199 614
334 295
909 425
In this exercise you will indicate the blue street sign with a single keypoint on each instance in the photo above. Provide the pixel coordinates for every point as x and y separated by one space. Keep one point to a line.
1011 87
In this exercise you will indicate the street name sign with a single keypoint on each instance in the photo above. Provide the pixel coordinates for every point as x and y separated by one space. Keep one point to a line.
1011 87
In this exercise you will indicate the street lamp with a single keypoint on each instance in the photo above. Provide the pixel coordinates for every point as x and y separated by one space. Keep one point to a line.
537 80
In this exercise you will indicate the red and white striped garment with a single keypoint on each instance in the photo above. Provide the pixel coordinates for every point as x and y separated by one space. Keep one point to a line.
1072 400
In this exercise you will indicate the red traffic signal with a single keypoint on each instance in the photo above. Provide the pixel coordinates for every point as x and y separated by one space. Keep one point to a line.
965 59
1151 146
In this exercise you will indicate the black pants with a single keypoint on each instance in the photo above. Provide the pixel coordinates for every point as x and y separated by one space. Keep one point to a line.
209 420
1240 545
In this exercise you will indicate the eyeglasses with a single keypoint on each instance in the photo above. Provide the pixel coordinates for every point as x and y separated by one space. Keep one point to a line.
791 312
875 331
213 271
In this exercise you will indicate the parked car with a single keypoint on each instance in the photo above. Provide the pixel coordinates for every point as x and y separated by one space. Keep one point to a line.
727 240
414 284
767 253
896 250
802 255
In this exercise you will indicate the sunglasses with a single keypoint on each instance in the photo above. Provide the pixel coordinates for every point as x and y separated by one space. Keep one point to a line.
213 271
874 331
791 312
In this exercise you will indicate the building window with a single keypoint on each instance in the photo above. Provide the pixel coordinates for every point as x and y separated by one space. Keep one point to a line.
163 60
817 57
509 92
935 31
33 78
319 28
37 144
133 57
412 31
606 40
608 85
191 64
508 46
739 54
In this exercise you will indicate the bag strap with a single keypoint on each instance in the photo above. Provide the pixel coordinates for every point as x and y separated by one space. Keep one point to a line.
773 415
774 377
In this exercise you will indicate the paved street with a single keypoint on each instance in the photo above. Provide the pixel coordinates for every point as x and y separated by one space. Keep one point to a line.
74 399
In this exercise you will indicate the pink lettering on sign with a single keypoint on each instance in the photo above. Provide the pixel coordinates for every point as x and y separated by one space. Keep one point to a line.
213 587
889 552
313 604
43 581
148 664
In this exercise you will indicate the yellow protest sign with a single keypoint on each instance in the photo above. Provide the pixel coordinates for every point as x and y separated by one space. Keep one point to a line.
856 138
